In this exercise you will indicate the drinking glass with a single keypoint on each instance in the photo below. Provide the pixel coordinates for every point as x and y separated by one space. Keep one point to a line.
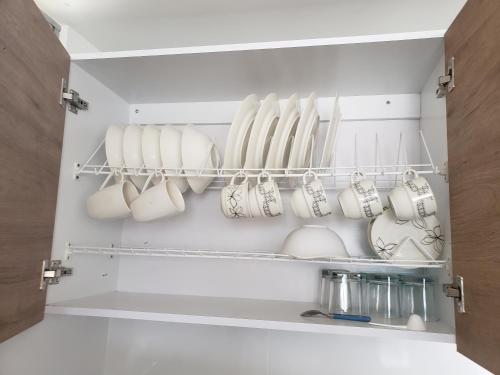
346 295
417 296
383 294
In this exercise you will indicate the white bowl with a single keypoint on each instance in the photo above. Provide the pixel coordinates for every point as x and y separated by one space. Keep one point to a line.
171 155
314 241
114 146
199 155
151 147
132 153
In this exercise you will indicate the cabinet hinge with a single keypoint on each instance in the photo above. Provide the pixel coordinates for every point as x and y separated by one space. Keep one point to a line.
446 83
71 99
52 271
456 291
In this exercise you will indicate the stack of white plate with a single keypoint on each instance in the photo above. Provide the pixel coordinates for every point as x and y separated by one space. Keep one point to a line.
262 137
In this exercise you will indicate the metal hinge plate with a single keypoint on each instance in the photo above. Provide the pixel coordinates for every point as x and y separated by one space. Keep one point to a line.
71 99
446 83
456 291
52 271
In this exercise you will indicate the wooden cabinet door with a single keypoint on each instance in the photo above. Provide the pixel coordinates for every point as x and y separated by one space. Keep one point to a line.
473 111
32 64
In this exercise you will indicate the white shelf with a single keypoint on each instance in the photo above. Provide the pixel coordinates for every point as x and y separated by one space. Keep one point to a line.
255 46
231 312
357 65
375 263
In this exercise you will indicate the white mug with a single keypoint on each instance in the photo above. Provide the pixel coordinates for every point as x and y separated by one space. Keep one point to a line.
265 198
112 202
361 199
162 200
310 200
234 198
413 198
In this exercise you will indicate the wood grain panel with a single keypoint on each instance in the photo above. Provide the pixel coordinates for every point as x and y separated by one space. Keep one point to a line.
32 63
473 111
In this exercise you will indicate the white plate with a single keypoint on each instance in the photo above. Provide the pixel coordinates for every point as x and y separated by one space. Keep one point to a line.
279 150
239 133
306 131
262 132
417 239
331 135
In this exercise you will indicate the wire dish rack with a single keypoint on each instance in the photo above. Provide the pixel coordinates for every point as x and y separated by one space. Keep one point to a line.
386 176
245 255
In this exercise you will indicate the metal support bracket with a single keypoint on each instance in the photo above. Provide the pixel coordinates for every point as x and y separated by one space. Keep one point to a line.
71 99
52 271
446 83
456 291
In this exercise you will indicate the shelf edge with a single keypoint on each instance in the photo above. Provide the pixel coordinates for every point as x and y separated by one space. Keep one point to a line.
252 323
253 46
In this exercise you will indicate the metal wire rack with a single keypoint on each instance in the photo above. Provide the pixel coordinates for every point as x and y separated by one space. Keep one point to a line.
245 255
385 175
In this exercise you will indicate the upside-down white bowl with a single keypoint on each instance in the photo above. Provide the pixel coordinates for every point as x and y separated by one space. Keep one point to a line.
314 241
199 155
171 155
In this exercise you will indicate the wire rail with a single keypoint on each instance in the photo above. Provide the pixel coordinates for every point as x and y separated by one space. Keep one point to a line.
245 255
383 173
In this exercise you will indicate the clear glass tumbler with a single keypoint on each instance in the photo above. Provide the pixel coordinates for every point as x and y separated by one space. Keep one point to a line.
346 296
383 297
417 295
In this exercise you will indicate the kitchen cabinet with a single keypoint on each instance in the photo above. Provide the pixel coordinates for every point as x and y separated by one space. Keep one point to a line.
149 282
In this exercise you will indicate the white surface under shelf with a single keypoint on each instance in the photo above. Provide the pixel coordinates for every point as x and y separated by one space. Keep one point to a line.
231 312
359 65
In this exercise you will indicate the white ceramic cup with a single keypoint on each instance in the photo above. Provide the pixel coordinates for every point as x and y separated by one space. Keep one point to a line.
171 155
265 198
112 202
161 200
361 199
234 198
413 198
310 200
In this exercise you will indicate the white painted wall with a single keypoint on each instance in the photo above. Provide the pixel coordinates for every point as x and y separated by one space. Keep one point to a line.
433 125
82 133
74 42
135 24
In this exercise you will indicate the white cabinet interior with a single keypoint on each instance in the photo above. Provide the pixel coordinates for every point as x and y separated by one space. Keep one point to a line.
395 79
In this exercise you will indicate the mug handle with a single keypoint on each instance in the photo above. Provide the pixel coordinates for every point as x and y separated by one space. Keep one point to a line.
150 178
239 174
357 176
409 172
263 174
308 174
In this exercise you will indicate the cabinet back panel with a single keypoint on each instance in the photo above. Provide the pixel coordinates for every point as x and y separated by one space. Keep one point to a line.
204 226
